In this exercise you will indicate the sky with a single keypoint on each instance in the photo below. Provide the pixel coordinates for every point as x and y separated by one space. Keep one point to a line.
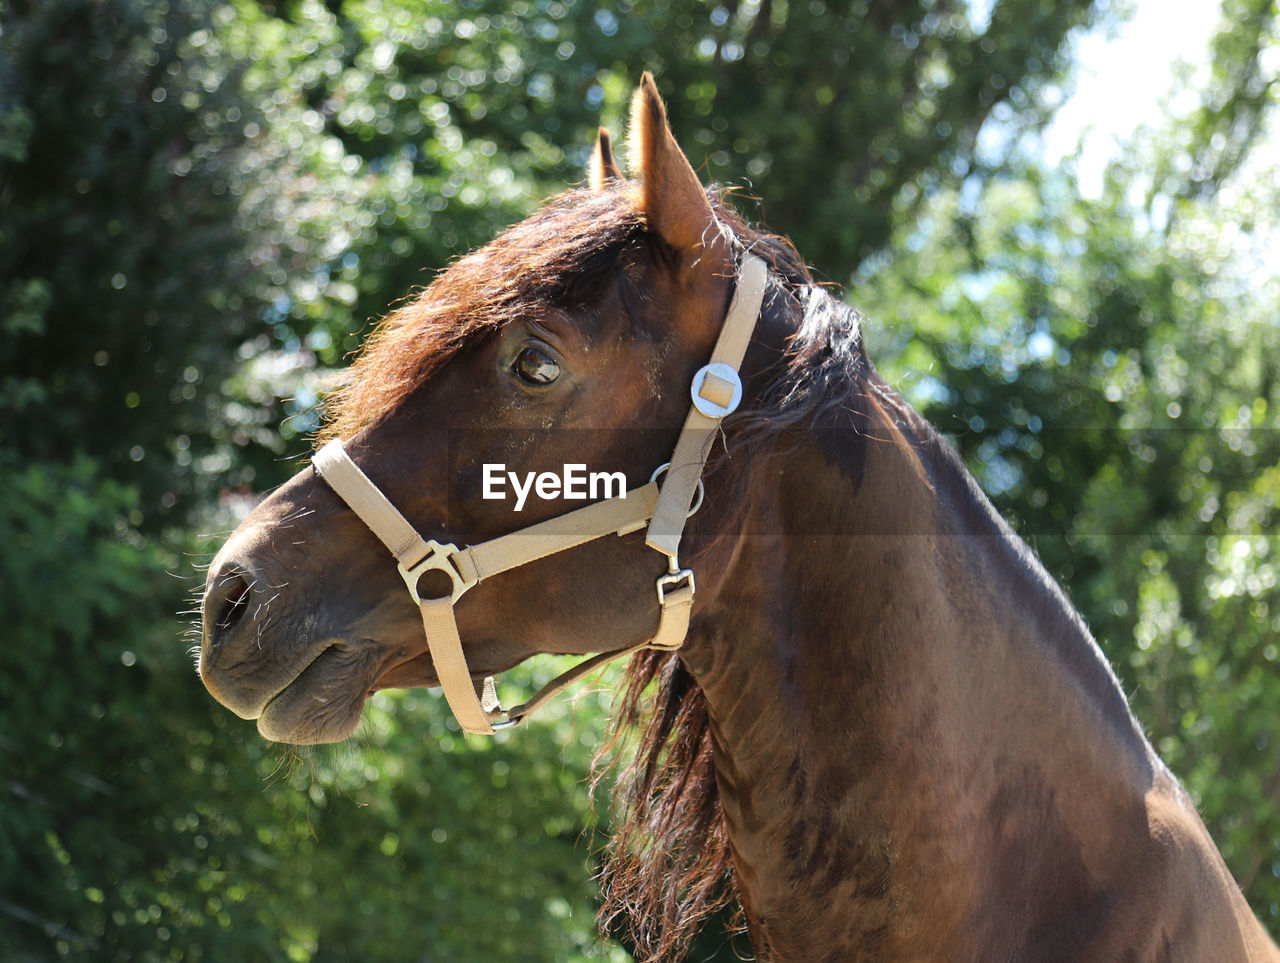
1122 76
1125 76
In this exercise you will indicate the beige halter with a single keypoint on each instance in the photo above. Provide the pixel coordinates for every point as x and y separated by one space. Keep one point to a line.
716 392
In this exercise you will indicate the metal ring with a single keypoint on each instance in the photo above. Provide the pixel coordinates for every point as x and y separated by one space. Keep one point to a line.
438 557
697 502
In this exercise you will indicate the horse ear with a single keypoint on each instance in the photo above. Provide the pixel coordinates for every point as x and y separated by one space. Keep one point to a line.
604 169
674 204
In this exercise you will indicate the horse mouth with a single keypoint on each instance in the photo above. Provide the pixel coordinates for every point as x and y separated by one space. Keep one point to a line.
415 672
324 701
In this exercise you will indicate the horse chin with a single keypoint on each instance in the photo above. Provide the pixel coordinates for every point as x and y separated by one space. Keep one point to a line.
324 702
413 673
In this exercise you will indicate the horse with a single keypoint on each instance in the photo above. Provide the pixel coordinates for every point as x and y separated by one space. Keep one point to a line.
866 715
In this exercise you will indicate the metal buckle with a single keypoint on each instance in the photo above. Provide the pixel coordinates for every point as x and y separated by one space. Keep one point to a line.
666 582
726 376
697 502
438 557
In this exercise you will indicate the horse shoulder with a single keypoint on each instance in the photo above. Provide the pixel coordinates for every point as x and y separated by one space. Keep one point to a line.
1184 904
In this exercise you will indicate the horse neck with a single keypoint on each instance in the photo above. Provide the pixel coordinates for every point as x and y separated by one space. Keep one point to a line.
885 664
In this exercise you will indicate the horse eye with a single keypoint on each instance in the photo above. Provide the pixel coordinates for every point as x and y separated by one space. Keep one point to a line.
536 367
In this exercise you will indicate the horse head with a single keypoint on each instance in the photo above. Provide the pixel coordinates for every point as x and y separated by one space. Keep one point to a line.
556 356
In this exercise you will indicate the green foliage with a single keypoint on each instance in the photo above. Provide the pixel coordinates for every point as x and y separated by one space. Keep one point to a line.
142 821
203 204
1231 120
479 848
123 267
1109 371
83 613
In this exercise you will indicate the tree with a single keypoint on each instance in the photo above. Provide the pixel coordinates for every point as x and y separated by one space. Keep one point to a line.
128 277
264 179
423 128
1108 370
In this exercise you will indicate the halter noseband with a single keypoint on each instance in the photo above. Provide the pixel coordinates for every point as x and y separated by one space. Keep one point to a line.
716 392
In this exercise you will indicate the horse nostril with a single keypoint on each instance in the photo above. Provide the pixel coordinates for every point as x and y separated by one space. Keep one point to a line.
227 603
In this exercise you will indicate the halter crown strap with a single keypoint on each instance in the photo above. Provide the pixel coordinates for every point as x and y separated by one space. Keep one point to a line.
718 396
716 392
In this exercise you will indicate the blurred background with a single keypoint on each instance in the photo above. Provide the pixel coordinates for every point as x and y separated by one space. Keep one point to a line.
1059 217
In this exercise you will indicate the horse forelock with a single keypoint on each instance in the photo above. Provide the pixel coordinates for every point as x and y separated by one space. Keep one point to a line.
560 256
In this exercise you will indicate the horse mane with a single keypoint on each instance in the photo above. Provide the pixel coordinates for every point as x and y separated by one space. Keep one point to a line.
668 866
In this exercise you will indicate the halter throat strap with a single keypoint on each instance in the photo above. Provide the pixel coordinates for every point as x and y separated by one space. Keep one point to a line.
716 393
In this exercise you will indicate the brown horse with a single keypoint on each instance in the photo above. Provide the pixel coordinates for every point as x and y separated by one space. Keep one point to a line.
887 734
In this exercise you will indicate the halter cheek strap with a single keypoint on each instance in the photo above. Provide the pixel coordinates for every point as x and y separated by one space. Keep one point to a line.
716 392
